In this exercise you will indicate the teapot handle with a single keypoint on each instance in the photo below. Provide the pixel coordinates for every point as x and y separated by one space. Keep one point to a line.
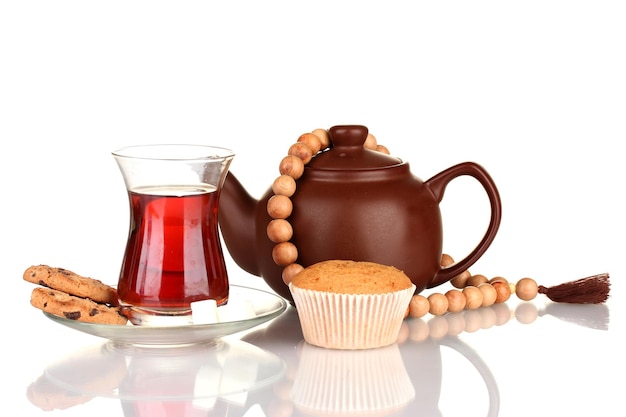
437 186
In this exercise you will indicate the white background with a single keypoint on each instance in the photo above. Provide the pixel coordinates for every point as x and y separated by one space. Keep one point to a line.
534 91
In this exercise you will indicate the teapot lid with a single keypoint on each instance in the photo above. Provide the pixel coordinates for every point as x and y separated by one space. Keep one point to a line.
347 152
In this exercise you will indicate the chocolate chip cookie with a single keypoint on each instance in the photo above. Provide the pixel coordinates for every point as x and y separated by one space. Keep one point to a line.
66 294
71 283
75 308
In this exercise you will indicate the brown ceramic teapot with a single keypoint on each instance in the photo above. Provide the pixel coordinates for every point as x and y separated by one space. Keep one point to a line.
358 204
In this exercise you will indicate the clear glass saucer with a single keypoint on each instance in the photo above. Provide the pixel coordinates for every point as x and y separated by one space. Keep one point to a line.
265 305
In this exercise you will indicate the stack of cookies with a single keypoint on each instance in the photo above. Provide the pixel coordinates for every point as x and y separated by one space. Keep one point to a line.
66 294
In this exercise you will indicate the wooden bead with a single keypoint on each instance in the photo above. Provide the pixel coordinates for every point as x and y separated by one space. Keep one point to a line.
503 290
473 298
446 260
498 279
323 135
476 280
419 306
279 207
438 304
460 280
284 253
383 149
526 289
302 151
512 287
370 142
456 301
284 185
279 230
312 141
291 165
291 271
489 294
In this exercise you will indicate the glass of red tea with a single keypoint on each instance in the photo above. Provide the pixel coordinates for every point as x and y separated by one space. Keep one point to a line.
173 254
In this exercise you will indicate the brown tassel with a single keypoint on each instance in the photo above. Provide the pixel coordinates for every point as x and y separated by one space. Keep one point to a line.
590 290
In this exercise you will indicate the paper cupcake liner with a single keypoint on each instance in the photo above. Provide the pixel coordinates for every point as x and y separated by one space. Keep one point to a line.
350 321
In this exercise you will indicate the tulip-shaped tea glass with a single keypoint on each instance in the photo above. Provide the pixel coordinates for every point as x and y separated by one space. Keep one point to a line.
173 254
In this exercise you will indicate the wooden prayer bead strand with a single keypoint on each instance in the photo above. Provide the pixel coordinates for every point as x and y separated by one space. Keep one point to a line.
280 206
473 292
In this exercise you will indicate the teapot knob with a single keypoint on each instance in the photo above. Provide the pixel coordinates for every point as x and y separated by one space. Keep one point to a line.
348 135
348 152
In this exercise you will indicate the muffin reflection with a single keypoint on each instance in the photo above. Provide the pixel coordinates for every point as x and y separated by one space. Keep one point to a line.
344 382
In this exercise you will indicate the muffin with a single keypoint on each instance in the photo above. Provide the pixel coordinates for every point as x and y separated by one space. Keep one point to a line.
346 304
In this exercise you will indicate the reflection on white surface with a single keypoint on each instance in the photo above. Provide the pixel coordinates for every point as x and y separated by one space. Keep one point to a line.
404 379
148 379
594 316
271 371
351 382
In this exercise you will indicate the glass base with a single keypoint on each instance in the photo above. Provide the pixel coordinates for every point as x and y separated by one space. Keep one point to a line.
147 317
142 316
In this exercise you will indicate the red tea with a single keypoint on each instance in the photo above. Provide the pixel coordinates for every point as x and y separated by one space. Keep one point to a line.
173 254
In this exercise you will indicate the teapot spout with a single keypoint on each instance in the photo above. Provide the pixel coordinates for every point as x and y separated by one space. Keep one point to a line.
237 221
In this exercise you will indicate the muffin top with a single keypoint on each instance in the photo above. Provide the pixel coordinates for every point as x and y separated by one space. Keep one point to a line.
352 277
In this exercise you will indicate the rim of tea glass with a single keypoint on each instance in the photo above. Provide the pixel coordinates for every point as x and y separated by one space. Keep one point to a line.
174 152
